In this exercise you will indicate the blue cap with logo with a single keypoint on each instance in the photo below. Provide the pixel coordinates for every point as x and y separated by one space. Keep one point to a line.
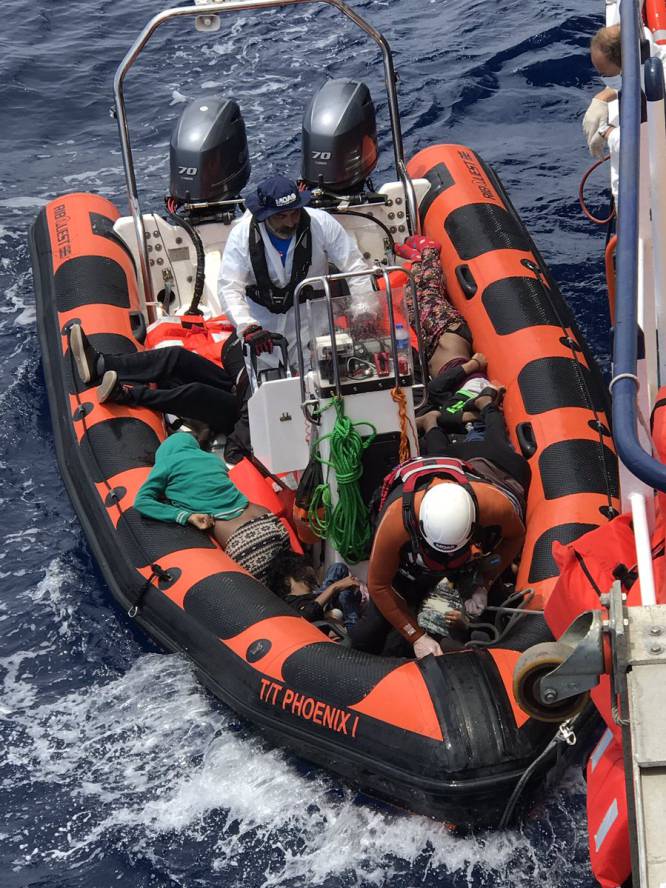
276 194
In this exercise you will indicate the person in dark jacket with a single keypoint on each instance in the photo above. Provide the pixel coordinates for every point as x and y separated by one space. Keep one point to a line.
293 579
460 392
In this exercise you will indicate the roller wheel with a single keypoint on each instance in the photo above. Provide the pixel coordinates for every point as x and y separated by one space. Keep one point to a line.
531 667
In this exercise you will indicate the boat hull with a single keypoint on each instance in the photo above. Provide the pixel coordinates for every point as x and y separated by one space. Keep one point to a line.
441 736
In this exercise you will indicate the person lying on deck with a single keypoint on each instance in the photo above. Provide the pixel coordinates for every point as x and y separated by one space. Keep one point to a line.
189 486
445 333
187 384
292 578
458 377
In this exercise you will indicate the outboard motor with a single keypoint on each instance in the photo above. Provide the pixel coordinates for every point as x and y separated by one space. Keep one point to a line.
339 137
210 161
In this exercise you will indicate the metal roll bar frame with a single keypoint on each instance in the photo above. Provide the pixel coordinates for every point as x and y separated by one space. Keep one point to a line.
325 282
624 385
227 6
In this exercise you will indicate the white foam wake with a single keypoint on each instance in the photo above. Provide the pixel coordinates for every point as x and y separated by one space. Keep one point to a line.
151 760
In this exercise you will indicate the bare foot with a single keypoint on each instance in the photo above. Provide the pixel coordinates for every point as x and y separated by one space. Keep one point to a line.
476 603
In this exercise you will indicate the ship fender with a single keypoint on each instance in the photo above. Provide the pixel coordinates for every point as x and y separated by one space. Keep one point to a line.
655 16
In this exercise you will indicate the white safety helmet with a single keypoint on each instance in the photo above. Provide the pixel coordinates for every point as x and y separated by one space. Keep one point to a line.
446 517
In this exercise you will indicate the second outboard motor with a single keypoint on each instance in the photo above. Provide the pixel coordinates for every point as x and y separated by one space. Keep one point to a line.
339 137
209 155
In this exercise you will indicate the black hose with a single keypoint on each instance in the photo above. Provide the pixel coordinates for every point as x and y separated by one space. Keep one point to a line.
371 218
200 276
520 786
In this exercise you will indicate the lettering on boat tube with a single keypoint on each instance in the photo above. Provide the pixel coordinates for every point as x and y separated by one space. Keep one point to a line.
479 179
62 231
337 720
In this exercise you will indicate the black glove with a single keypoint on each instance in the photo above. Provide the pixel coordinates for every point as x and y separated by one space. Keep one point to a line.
261 340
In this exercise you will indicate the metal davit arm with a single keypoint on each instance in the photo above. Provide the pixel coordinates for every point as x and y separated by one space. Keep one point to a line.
624 385
212 9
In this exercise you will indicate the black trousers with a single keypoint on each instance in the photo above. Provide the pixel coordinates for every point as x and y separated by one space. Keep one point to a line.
187 385
374 634
238 442
371 631
495 447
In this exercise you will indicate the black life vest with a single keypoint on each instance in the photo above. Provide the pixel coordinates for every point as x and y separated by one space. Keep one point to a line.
279 300
405 481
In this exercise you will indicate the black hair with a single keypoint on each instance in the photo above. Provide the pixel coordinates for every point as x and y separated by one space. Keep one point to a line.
289 566
201 431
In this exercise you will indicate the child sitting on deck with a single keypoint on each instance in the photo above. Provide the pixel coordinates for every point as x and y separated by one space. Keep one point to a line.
293 579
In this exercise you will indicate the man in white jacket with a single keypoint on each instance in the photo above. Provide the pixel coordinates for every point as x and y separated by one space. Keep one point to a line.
277 244
601 123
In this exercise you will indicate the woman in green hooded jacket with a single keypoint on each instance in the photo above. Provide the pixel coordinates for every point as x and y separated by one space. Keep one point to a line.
187 485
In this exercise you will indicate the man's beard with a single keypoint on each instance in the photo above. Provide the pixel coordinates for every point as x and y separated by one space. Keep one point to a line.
286 231
282 229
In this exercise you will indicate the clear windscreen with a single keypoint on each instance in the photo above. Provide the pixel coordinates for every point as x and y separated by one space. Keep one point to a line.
362 350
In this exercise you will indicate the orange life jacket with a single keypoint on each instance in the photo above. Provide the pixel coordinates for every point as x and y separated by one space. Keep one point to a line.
608 826
193 332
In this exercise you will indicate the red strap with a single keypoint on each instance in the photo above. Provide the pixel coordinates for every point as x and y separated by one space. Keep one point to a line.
421 466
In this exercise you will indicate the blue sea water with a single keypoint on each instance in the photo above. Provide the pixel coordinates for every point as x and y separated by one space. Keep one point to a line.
116 767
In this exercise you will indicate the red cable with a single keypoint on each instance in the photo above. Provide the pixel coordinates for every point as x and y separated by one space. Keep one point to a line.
581 197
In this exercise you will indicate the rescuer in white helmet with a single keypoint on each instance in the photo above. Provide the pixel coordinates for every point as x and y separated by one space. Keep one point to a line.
438 515
447 517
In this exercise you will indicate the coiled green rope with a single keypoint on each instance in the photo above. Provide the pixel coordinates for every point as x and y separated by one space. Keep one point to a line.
347 524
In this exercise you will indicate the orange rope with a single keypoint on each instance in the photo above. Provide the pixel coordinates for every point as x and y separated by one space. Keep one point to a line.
405 424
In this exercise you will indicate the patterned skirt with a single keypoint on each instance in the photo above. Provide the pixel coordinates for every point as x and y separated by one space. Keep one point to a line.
436 314
255 544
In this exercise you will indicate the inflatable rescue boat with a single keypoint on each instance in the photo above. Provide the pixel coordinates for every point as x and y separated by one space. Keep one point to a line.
443 736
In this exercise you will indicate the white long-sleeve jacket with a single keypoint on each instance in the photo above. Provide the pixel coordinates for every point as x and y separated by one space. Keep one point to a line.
330 244
613 141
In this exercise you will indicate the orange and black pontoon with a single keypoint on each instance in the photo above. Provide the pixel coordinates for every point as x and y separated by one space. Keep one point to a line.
442 736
